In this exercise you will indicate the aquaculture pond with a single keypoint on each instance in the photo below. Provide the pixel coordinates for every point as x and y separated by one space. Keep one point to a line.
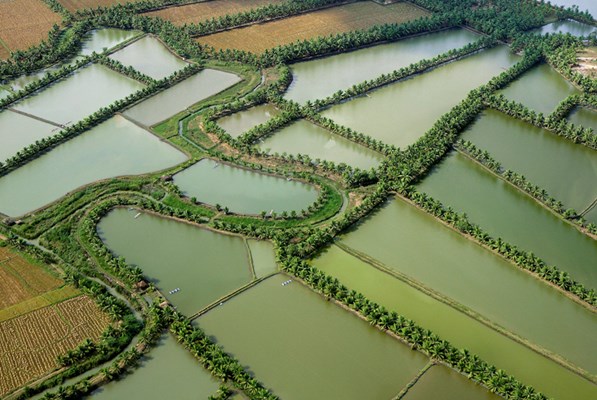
566 26
303 137
192 266
149 56
169 368
459 329
583 5
410 242
182 95
401 113
114 148
584 117
320 78
238 123
441 382
263 257
540 89
242 190
532 152
18 131
504 211
95 40
79 95
288 331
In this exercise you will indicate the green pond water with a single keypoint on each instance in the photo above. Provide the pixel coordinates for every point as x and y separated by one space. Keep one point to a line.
96 40
414 243
583 5
238 123
167 370
114 148
303 137
243 191
401 113
567 171
264 257
584 117
79 95
540 89
204 264
182 95
18 131
303 347
441 382
149 56
567 26
320 78
456 327
503 211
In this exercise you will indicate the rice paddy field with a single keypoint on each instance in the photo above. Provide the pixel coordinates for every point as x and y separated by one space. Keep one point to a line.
203 11
24 23
356 16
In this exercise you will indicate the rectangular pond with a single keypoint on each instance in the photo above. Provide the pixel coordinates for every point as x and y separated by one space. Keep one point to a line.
79 95
402 112
238 123
169 368
303 137
18 131
441 382
504 211
114 148
584 117
322 77
205 265
303 347
243 191
541 89
149 56
411 242
566 26
458 328
263 257
568 171
182 95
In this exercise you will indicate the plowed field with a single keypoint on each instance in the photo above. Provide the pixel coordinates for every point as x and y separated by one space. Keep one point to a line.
350 17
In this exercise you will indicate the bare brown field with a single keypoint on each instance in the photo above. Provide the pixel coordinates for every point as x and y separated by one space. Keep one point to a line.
24 23
193 13
587 62
357 16
31 343
21 280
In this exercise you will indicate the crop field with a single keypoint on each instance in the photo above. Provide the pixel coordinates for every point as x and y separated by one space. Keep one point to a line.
20 280
74 5
24 23
197 12
30 344
346 18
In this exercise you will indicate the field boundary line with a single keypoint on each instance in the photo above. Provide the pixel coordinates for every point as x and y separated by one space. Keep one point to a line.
37 303
414 380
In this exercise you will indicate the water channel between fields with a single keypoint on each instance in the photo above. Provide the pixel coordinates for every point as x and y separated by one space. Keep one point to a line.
540 89
168 369
322 77
504 211
171 101
410 242
303 137
459 329
566 26
567 171
402 112
243 191
114 148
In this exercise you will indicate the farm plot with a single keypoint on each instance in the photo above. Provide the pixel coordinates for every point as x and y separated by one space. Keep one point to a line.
75 5
31 343
193 13
20 280
24 23
350 17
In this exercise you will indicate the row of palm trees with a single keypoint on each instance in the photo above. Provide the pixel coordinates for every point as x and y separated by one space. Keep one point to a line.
129 71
